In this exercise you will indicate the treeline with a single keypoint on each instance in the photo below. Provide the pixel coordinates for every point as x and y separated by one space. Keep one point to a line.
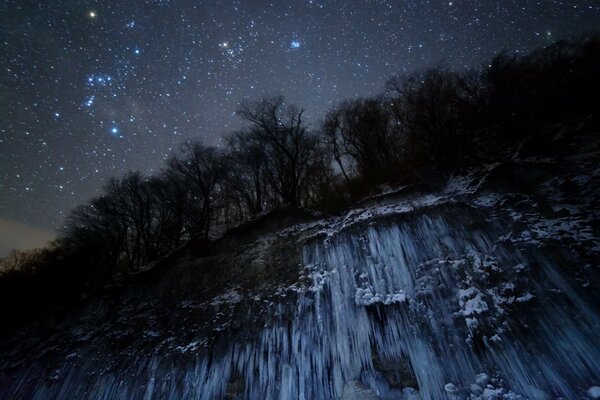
423 127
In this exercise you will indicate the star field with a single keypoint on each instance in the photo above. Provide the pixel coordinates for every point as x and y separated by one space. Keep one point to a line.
92 89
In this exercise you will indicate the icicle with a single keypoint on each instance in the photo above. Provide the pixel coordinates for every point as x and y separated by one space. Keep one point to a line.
422 307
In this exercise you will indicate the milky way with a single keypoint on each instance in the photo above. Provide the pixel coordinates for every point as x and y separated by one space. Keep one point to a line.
93 89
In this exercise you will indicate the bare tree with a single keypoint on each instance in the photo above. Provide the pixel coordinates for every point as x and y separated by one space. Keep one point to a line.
332 128
203 169
169 194
98 230
291 151
247 179
362 131
426 107
24 261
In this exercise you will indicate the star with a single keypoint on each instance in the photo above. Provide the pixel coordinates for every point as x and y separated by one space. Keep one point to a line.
90 101
160 66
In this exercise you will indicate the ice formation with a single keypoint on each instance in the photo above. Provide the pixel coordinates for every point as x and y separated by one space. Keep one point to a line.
470 293
432 306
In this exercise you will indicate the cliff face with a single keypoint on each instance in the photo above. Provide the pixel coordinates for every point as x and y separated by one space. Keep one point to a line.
486 289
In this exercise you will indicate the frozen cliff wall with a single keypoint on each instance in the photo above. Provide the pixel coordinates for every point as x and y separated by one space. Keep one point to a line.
439 299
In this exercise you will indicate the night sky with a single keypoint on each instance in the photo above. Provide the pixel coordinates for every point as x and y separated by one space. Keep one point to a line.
93 89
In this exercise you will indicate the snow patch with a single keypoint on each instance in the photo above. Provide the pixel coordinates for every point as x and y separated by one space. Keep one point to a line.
594 392
230 297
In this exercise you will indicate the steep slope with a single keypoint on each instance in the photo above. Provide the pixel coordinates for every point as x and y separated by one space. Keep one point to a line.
486 289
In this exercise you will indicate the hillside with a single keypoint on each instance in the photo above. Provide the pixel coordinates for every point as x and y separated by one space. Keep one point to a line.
487 288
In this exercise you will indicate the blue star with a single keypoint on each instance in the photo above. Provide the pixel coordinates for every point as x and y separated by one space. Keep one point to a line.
90 101
295 44
114 130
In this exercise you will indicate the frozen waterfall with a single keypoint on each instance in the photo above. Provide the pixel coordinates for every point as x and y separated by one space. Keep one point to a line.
427 307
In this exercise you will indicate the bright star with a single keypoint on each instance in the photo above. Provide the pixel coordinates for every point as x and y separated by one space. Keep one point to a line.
90 101
92 14
295 44
114 130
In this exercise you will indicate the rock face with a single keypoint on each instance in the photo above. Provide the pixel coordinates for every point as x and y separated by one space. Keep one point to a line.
487 289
